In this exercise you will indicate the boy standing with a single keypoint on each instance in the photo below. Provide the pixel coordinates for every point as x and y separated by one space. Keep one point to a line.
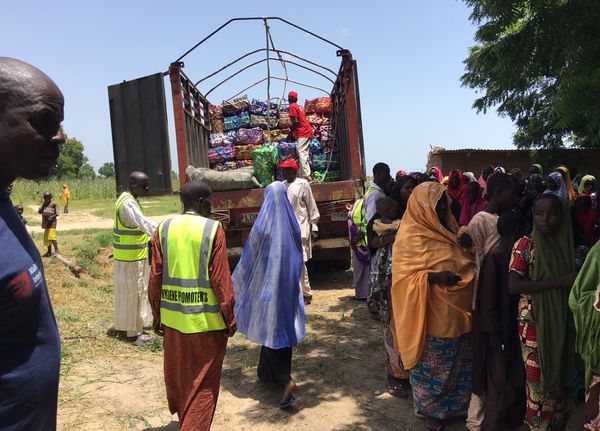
49 212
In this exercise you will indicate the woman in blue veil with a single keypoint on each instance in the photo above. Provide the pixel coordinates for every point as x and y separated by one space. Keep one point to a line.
269 305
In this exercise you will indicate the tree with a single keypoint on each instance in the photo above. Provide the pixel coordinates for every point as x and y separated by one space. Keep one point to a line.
107 170
539 63
72 163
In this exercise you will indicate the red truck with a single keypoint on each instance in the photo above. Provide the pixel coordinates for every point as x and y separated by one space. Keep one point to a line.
140 142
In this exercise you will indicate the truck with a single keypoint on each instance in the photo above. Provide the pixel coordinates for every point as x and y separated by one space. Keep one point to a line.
141 141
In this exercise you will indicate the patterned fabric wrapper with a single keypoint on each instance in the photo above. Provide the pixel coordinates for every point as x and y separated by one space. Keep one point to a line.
287 150
276 135
235 106
315 147
217 139
250 136
222 167
323 177
236 121
260 121
220 155
230 138
259 107
315 119
245 152
284 120
243 163
320 105
215 118
265 160
323 162
326 132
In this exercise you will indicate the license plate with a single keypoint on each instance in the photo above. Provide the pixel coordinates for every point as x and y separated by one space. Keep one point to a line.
339 216
249 218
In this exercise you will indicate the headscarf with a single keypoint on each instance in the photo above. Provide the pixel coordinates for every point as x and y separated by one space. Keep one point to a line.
269 306
469 209
470 177
561 188
584 180
499 170
439 177
585 304
459 192
585 219
482 181
539 168
396 193
423 245
401 173
555 256
568 183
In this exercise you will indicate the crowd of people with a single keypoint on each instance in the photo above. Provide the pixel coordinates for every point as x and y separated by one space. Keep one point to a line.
487 289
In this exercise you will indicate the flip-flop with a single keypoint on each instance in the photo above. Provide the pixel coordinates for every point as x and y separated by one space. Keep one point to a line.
289 402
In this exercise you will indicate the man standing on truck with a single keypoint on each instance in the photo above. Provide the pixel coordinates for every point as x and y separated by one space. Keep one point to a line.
362 212
132 270
302 133
301 198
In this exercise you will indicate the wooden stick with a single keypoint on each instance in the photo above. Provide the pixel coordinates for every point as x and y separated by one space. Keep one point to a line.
76 270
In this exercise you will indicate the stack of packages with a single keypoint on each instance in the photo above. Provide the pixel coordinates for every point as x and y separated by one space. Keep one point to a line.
255 135
323 148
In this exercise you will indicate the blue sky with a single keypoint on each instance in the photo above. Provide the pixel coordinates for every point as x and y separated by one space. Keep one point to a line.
410 57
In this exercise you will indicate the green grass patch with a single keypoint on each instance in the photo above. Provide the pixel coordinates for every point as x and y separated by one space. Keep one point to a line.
87 250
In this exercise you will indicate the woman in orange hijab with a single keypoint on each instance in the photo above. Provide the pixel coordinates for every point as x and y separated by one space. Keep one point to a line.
432 288
566 174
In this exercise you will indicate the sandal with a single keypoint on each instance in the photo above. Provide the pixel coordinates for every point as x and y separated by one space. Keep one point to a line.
289 402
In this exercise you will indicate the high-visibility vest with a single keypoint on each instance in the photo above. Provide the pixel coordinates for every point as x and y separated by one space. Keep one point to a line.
129 244
188 302
359 216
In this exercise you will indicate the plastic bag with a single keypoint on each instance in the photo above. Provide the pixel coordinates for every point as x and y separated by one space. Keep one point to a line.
236 106
236 121
240 179
265 160
220 155
250 136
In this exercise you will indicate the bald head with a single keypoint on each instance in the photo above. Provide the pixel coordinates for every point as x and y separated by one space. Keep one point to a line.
31 110
139 183
195 196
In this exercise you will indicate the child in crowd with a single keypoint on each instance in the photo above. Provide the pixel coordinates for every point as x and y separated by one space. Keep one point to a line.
19 210
49 212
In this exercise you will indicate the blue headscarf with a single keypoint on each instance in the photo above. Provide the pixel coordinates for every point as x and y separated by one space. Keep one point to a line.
269 306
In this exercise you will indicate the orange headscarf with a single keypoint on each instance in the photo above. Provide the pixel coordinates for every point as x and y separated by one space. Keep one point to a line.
424 246
567 176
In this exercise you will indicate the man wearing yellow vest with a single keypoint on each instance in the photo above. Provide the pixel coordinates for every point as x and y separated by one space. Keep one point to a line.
362 213
192 299
130 251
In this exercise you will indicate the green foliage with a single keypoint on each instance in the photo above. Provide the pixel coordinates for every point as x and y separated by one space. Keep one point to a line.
72 163
539 64
107 170
25 192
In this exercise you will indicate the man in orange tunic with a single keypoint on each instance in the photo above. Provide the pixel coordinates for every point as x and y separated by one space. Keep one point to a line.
193 361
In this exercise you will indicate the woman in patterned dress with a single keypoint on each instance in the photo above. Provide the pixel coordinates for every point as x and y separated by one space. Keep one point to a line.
542 271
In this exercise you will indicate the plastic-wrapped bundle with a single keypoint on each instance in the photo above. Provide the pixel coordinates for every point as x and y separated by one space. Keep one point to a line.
244 152
236 106
275 135
262 122
322 177
328 147
260 107
223 167
240 179
230 138
325 162
244 164
252 136
265 160
236 121
287 150
284 121
221 155
215 118
315 147
326 132
217 139
321 105
315 119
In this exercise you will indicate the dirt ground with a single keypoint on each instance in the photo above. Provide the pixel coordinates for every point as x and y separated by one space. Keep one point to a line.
109 384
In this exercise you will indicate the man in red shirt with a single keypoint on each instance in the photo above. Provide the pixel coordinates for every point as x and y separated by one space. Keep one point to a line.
302 133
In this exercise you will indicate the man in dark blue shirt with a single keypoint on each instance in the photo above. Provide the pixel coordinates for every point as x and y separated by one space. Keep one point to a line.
31 110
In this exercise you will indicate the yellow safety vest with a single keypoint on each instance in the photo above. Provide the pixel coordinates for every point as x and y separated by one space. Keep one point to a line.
188 302
359 216
129 244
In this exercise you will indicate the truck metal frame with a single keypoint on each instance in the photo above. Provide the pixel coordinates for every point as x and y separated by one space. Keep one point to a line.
237 209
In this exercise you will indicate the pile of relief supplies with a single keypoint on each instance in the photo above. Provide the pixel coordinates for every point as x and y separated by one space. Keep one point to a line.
253 136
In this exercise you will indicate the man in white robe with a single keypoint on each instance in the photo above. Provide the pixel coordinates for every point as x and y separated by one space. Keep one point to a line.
132 308
304 205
